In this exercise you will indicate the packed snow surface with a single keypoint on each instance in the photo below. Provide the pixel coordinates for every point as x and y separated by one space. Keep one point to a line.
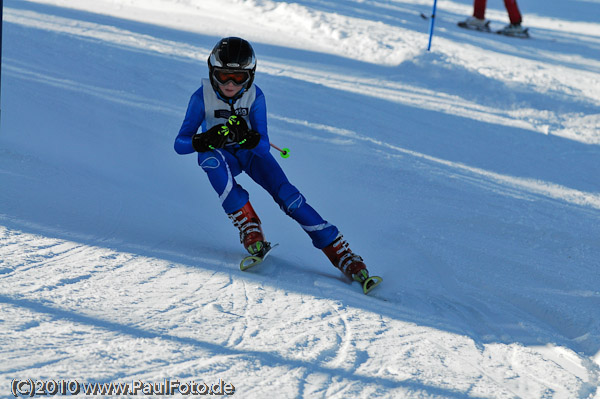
467 176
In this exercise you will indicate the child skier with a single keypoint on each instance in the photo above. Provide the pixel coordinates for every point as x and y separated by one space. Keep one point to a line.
232 113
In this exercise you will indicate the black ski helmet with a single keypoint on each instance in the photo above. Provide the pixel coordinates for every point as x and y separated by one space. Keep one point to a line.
232 54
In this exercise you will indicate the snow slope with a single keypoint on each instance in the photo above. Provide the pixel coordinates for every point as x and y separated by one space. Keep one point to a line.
466 176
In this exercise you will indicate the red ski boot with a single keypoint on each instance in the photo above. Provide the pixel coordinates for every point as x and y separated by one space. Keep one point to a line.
251 234
352 265
342 257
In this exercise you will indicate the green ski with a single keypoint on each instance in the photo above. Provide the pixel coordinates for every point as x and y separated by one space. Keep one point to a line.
371 283
253 260
367 282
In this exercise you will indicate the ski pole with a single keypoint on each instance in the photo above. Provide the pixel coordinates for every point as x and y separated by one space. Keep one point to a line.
431 24
285 153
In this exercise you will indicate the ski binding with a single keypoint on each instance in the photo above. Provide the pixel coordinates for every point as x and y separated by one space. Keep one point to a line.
253 260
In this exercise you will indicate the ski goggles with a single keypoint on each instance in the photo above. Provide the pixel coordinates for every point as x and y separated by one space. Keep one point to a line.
237 77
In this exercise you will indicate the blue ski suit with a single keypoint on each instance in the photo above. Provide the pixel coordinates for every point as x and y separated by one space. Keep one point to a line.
207 109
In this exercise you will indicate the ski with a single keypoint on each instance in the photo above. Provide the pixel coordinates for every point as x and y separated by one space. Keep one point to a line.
371 283
483 28
524 34
367 282
253 260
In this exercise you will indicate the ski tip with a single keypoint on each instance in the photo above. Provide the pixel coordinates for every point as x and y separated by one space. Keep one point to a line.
250 261
371 283
253 260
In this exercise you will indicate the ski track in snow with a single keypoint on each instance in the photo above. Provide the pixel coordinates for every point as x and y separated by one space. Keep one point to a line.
340 350
95 305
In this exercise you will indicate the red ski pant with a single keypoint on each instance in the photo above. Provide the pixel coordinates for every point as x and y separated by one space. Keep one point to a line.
511 6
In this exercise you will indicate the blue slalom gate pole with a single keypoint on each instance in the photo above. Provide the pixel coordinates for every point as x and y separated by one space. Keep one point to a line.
431 24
